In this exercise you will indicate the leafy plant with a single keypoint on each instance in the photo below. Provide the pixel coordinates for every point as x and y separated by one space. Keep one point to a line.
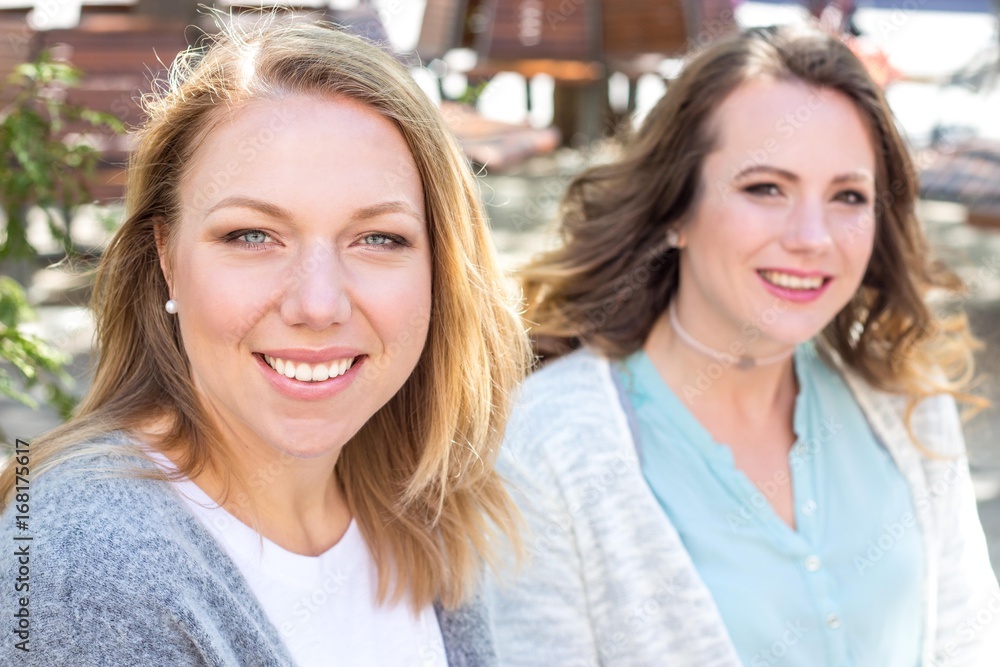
37 362
42 166
39 165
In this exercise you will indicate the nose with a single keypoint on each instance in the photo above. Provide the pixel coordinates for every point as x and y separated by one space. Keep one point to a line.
807 230
317 294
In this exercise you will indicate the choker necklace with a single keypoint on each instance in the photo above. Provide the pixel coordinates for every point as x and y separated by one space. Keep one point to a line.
723 357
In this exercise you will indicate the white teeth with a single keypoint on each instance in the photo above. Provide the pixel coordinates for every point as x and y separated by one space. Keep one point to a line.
304 372
789 281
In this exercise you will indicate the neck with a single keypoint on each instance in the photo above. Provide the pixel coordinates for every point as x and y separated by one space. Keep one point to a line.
699 377
294 502
739 360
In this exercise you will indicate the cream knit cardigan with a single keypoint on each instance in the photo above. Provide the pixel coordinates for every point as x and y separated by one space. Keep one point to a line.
607 580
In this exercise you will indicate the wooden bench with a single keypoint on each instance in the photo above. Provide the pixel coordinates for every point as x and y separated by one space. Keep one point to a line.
580 43
120 56
968 174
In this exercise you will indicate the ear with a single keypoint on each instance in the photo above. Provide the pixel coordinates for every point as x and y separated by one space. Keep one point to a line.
677 236
159 236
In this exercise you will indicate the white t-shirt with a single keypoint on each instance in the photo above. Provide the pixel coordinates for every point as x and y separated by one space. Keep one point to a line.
323 606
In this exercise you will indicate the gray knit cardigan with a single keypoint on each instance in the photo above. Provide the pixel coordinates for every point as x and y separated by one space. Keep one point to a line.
121 573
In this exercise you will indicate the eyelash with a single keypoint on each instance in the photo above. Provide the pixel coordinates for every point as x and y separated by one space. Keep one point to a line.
396 240
234 237
860 199
764 190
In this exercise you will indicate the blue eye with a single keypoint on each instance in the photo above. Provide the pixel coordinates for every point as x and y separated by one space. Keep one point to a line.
383 240
255 236
253 239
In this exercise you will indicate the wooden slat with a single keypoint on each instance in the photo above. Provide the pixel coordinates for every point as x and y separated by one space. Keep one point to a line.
634 27
441 29
537 29
119 55
15 48
968 174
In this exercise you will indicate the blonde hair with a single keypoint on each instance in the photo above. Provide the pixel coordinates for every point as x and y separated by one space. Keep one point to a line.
615 274
419 475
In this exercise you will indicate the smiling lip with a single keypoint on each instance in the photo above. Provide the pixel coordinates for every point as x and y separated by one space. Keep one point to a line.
796 295
309 391
319 356
799 273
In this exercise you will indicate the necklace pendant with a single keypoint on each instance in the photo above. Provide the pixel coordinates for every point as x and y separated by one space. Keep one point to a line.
746 363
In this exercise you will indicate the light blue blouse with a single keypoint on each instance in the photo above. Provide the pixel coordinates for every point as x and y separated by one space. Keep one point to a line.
844 588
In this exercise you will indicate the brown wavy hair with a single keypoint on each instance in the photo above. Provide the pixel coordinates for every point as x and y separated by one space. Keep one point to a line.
614 274
419 475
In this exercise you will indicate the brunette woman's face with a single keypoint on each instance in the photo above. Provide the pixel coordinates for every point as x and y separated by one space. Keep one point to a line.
301 268
783 229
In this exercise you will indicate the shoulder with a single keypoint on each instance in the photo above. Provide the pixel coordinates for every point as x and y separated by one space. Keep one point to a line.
932 422
118 571
94 520
581 378
567 415
567 393
106 484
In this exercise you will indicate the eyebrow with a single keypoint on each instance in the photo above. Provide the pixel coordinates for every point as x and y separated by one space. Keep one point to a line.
859 176
275 211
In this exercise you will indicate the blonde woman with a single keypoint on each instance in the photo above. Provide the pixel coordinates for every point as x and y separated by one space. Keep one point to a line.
304 358
753 455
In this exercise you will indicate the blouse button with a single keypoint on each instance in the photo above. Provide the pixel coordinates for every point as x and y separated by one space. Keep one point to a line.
809 507
833 621
812 563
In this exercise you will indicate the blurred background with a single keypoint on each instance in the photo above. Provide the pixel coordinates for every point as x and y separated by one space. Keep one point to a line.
534 89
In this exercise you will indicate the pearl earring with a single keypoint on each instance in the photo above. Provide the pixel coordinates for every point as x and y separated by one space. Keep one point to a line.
673 239
171 307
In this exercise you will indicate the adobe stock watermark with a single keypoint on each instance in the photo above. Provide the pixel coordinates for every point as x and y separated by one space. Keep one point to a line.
982 622
890 536
307 605
644 613
247 152
784 130
802 453
625 287
750 332
791 635
559 526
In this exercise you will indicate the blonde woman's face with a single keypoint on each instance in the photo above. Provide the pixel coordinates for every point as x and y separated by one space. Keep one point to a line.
782 233
301 268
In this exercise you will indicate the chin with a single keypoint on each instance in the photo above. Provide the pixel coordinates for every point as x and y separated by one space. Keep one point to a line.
796 335
307 445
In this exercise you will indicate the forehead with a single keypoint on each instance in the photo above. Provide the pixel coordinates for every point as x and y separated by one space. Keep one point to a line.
788 123
301 149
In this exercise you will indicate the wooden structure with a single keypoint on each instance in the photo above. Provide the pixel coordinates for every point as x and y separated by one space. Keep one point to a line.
967 174
122 47
578 42
121 56
120 53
